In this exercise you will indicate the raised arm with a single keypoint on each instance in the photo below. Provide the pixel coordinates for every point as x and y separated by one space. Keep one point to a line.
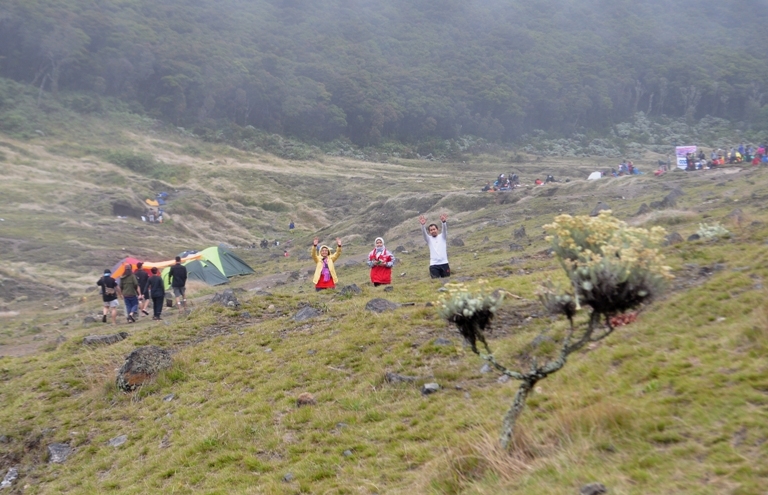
423 222
337 252
313 250
444 221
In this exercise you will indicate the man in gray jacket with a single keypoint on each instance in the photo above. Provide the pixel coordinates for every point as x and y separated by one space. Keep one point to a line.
438 247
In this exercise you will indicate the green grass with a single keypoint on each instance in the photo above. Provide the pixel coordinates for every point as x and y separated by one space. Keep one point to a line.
675 402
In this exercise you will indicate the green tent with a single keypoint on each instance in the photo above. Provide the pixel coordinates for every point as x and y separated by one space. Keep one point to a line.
226 261
199 270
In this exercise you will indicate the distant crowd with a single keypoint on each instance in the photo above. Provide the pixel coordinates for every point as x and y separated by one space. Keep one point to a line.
749 154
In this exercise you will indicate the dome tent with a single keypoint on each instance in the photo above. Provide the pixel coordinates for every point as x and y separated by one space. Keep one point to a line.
199 270
226 261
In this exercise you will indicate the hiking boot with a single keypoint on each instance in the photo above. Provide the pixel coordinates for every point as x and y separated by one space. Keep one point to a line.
131 319
104 318
145 312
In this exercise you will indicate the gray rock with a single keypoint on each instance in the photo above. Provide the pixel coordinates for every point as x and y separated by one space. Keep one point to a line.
89 319
503 379
58 452
306 313
118 441
60 339
245 314
519 233
288 477
9 478
347 453
142 365
388 288
400 249
226 298
593 489
600 206
486 239
644 209
4 439
457 242
442 341
516 247
396 378
350 290
694 237
169 397
105 339
673 238
486 368
380 305
429 388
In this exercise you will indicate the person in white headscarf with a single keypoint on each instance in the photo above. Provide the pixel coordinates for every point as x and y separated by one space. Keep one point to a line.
380 260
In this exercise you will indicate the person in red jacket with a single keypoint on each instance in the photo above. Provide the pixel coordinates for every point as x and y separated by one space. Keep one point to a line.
380 260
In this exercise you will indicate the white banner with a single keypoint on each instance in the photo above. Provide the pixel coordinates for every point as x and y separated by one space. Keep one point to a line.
680 152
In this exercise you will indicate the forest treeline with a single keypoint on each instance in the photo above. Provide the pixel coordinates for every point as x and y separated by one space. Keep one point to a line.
402 70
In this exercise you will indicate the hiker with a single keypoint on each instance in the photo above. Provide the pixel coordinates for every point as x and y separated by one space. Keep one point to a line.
177 277
538 182
438 247
325 274
129 287
151 216
156 291
142 276
110 291
285 253
291 226
380 260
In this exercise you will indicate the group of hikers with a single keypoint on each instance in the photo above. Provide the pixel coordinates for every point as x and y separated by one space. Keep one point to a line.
137 288
749 154
380 260
512 181
625 168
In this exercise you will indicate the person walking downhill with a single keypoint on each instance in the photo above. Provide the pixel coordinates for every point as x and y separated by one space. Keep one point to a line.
156 291
381 261
177 276
438 247
325 274
110 291
142 276
129 287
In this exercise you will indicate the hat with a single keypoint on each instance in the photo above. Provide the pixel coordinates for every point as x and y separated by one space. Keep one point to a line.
378 239
107 272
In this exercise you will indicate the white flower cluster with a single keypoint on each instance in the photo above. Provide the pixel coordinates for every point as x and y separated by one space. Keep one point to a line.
714 231
461 301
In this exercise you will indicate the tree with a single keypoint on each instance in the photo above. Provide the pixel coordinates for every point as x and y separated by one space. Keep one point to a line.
612 269
59 49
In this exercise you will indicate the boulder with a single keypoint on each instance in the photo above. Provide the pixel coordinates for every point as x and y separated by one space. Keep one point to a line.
142 365
644 209
600 206
350 290
673 238
89 319
9 478
306 313
400 249
396 378
593 489
694 237
519 233
226 298
457 242
118 441
104 339
380 305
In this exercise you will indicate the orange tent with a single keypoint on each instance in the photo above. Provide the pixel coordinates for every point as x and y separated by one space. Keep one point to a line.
152 202
119 269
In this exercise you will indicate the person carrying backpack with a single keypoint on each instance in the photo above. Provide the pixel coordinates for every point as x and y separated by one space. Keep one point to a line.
110 291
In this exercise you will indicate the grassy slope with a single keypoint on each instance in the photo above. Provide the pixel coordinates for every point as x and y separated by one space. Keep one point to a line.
673 403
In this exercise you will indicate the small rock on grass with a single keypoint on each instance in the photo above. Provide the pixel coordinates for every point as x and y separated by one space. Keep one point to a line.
347 453
442 341
288 477
379 305
58 452
118 441
396 378
486 368
305 399
593 489
9 478
306 313
430 388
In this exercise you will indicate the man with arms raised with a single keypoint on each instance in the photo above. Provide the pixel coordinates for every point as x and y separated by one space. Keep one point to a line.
438 247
